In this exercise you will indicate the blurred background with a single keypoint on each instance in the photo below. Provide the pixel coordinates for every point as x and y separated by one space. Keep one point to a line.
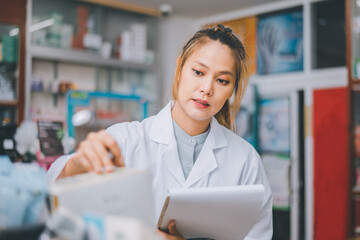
116 59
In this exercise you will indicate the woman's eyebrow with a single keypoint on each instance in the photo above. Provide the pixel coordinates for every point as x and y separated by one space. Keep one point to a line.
202 64
222 72
227 73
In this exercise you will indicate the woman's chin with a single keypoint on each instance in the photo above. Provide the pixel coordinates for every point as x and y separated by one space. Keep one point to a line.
200 117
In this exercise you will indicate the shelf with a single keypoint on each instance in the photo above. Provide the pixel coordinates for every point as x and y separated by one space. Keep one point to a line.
101 123
47 92
355 87
83 57
8 103
355 80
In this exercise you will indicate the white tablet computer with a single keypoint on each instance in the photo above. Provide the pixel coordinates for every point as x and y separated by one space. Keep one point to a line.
217 213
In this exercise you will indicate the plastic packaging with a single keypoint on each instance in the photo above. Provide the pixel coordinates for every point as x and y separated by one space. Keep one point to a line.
23 190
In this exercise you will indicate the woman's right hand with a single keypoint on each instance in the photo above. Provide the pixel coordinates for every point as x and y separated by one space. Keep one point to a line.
93 155
173 232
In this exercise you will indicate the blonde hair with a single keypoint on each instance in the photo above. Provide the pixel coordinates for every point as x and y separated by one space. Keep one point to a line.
226 115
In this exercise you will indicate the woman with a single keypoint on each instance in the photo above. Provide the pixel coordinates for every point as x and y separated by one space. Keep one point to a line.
188 144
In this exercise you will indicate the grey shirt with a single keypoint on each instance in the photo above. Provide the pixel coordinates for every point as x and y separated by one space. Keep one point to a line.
189 147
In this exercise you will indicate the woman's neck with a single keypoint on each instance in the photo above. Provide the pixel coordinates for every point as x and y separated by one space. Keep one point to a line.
189 125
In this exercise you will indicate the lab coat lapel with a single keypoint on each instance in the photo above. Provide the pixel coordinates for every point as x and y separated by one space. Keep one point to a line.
172 161
162 131
207 161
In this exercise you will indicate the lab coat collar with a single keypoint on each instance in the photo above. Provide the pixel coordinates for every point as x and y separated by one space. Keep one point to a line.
163 129
206 161
163 132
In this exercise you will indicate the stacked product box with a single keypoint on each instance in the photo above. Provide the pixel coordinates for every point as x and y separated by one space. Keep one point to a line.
125 46
133 43
82 18
139 32
54 33
9 49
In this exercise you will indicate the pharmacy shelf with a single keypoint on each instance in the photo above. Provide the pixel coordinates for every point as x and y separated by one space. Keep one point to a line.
355 86
8 103
83 57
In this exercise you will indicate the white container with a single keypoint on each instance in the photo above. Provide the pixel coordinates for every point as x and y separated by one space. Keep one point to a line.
106 50
67 32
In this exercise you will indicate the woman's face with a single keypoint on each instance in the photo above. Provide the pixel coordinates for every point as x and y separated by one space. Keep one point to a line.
207 81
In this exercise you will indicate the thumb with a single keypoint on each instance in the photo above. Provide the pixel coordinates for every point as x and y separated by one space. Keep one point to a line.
117 158
173 230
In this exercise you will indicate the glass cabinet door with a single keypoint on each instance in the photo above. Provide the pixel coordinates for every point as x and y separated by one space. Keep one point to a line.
356 161
353 41
355 38
9 73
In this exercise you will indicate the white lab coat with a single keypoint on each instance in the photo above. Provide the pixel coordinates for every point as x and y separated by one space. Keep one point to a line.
225 160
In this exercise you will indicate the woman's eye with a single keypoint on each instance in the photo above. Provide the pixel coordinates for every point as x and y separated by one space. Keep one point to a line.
198 73
222 81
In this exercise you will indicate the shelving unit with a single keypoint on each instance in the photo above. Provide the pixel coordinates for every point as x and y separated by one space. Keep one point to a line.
102 74
12 62
87 100
323 41
83 57
353 64
9 103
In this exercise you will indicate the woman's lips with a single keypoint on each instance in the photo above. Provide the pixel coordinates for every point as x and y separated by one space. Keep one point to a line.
201 103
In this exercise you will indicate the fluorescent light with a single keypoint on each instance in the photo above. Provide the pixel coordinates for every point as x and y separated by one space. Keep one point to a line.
14 32
41 25
34 27
358 3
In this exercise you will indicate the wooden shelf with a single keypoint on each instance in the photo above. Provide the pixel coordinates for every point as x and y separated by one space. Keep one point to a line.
83 57
355 85
355 88
356 190
8 103
47 92
98 124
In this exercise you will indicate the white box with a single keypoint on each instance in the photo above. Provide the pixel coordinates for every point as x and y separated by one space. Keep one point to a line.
125 192
110 227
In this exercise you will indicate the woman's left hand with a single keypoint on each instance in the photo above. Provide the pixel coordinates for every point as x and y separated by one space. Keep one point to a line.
173 232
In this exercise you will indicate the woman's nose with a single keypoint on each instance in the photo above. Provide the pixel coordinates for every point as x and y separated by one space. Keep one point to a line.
207 87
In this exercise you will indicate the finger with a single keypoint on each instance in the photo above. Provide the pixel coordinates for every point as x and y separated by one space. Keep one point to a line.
91 156
172 228
77 165
112 145
81 158
102 154
83 163
173 231
119 161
